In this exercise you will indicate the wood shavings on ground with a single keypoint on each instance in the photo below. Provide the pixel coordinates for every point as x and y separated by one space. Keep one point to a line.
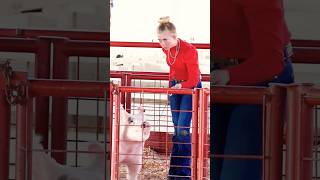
155 166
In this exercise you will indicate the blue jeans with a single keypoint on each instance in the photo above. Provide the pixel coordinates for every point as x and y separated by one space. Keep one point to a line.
236 129
181 107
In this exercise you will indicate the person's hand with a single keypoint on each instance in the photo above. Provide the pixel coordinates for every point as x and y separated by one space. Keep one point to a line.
220 77
177 86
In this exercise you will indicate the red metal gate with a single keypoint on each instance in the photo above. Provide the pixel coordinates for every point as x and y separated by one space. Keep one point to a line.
272 101
160 138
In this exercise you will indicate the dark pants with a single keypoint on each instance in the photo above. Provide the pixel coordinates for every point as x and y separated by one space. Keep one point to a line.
181 151
236 129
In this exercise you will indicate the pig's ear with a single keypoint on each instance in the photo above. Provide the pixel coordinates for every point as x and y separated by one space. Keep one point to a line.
141 109
123 112
140 115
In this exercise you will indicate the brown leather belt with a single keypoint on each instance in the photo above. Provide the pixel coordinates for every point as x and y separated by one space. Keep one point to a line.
224 63
178 81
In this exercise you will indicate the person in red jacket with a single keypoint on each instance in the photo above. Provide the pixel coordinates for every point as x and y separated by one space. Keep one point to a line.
250 42
182 58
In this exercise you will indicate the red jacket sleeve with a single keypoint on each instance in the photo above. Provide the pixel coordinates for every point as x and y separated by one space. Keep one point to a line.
191 61
266 26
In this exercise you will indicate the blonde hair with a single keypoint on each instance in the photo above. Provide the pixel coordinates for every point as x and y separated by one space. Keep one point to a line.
165 24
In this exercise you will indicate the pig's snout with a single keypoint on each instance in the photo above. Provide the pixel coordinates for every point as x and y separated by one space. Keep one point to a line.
130 119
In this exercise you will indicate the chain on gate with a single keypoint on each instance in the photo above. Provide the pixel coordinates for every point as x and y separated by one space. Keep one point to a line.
15 92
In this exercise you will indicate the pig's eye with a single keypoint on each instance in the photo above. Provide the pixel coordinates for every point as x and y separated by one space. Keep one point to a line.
130 119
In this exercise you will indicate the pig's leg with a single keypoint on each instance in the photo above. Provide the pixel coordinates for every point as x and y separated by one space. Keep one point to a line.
133 171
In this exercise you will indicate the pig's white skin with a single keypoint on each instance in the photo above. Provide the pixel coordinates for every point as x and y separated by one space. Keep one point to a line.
46 168
132 138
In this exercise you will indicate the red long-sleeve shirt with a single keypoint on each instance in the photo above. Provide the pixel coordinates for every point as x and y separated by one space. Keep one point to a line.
186 66
254 31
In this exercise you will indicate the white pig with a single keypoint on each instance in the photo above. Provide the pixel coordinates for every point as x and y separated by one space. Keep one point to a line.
46 168
134 131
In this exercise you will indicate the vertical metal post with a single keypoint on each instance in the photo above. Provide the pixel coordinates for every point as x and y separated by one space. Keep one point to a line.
272 154
307 129
5 109
42 70
299 140
204 130
21 131
106 128
202 134
128 94
59 104
29 135
21 142
115 139
195 131
123 83
111 126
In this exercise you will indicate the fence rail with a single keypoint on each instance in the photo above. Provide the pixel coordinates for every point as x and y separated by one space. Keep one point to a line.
301 150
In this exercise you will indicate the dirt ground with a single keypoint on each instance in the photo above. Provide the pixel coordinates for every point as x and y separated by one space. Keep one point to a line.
155 166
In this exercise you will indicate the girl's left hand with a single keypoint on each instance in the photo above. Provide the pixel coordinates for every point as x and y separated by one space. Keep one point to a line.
177 86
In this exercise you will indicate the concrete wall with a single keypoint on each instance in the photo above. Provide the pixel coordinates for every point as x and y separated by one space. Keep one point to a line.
90 15
303 18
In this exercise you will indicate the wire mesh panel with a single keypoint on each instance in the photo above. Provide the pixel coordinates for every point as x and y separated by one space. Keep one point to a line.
84 116
152 79
302 135
87 144
12 95
85 153
85 66
154 153
258 113
316 148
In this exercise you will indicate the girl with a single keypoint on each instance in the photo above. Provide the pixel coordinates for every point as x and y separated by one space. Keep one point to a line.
182 58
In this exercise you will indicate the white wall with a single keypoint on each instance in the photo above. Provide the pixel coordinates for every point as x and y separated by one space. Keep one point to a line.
137 20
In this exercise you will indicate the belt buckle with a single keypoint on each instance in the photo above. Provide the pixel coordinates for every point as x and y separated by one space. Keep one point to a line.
288 50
